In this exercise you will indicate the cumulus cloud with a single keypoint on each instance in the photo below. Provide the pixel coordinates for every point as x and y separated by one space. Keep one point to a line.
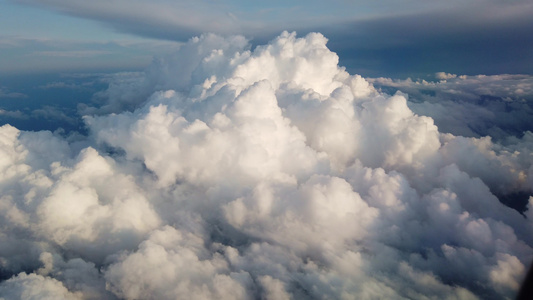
226 172
33 286
444 75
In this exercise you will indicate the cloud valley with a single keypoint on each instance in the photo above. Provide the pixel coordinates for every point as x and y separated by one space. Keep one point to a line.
229 172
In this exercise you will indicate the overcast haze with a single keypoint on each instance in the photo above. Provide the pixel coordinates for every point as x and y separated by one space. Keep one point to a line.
247 150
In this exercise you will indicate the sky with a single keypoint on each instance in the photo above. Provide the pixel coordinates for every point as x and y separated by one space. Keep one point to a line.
382 38
281 150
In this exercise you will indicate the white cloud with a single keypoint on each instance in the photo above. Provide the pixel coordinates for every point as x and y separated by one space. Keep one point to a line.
172 264
444 75
495 105
226 172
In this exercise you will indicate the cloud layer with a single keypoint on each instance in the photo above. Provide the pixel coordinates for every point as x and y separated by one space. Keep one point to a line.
392 38
222 172
498 105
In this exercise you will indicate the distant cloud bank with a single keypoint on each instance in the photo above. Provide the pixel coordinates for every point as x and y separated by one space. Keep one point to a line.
230 172
497 105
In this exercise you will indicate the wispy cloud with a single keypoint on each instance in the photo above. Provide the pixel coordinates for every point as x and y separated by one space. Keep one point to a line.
5 93
63 85
56 55
16 114
73 53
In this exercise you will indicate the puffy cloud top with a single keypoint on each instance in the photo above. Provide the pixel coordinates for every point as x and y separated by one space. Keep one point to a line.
225 172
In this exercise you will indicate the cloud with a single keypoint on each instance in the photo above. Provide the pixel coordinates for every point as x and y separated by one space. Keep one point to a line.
72 54
399 39
5 93
53 113
17 114
146 19
495 105
462 39
183 269
49 55
224 171
444 75
181 19
60 85
34 286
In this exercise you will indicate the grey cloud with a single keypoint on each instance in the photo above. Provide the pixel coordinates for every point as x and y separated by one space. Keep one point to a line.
32 286
160 19
471 39
40 55
410 38
17 114
5 93
53 113
61 85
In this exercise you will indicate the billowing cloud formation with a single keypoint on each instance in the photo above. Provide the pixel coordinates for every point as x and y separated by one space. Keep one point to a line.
227 173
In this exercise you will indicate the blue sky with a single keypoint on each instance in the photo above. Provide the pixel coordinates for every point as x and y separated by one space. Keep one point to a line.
34 39
374 38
